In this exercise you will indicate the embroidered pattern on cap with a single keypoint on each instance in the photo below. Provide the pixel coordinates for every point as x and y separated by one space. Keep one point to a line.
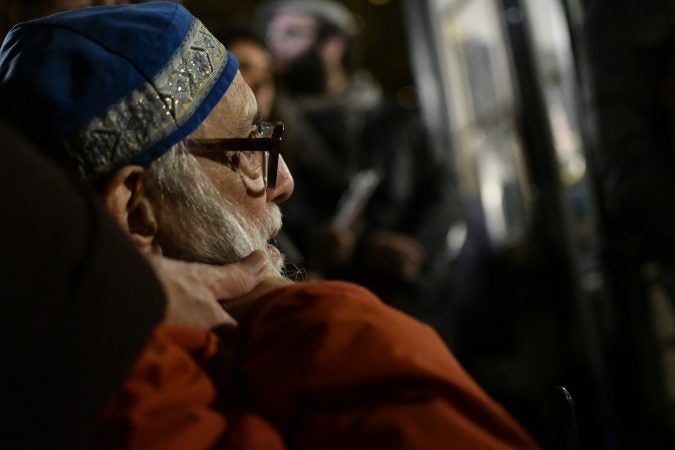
155 110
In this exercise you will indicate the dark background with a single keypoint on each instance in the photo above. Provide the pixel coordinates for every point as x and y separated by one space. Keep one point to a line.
381 45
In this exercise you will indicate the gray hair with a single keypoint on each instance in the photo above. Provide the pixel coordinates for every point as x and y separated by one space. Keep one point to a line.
197 224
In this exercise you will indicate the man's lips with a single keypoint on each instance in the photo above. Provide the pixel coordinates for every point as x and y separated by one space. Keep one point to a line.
272 248
272 243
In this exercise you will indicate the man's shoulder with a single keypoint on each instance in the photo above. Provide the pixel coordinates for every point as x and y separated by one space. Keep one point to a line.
326 300
325 289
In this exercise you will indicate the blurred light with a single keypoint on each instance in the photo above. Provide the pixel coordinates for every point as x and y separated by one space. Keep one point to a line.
378 2
491 193
456 238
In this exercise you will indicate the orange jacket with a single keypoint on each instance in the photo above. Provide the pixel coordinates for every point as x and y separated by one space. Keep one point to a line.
320 366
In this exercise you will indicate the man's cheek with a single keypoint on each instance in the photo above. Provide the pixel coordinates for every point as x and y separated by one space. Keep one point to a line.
254 186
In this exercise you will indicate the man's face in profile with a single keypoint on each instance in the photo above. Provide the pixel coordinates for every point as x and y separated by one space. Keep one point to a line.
226 210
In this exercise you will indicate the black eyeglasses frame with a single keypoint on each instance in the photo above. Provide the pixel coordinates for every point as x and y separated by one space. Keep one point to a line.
271 145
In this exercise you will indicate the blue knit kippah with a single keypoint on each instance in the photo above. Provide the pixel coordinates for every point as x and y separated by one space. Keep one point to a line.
109 86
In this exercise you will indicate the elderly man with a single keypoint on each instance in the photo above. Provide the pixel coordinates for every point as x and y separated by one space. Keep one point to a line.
145 104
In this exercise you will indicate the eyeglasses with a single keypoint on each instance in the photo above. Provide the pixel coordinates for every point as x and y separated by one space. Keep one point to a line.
267 141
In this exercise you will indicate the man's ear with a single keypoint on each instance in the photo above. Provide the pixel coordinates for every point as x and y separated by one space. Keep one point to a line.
125 199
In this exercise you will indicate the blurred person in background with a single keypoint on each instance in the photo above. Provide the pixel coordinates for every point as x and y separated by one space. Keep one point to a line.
255 65
373 202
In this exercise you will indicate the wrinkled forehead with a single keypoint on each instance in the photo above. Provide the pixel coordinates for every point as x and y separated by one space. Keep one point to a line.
234 116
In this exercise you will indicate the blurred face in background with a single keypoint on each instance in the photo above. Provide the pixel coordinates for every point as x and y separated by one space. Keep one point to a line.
296 48
289 36
255 65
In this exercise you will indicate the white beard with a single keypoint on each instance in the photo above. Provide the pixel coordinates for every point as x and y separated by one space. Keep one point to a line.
197 224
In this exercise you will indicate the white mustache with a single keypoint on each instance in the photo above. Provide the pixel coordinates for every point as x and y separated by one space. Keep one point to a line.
272 222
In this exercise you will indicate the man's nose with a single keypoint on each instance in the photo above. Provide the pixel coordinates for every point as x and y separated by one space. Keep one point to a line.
284 186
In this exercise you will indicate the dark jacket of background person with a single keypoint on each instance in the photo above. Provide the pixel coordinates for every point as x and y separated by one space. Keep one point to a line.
78 303
333 139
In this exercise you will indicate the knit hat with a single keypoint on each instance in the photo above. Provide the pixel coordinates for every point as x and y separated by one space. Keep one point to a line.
104 87
328 11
